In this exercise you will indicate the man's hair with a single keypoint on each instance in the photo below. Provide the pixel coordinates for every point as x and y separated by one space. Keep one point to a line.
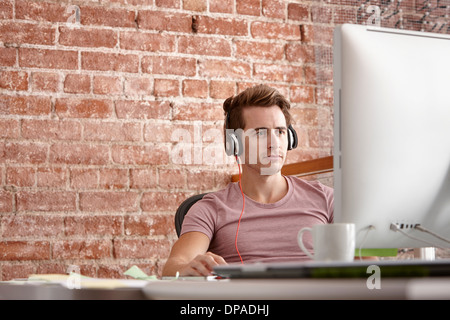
258 96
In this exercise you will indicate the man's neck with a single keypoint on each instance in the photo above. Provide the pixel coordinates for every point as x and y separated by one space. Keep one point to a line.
263 188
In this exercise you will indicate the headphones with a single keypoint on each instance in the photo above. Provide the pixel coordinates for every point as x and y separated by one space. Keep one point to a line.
234 146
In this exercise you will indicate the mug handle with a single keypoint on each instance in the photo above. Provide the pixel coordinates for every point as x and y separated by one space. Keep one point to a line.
300 242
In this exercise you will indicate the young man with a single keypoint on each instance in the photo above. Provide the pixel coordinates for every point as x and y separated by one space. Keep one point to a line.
256 220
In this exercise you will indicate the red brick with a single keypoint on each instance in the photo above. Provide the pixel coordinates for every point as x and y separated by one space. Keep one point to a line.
322 76
143 178
24 250
109 62
167 88
104 16
204 46
84 108
113 178
148 225
17 270
51 129
6 10
51 177
166 3
164 21
93 225
19 33
112 131
273 30
348 15
88 37
52 59
13 80
151 42
107 85
222 89
161 132
6 201
138 86
225 69
172 179
10 128
21 176
273 72
195 88
222 26
202 180
321 14
317 34
20 226
82 249
198 111
259 50
274 8
24 153
195 5
298 12
77 83
224 6
7 57
45 81
140 248
84 178
109 201
324 96
248 7
169 65
86 154
303 94
41 11
46 201
143 109
306 116
162 201
296 52
25 105
139 155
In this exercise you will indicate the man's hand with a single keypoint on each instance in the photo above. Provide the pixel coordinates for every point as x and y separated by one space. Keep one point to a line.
190 257
202 265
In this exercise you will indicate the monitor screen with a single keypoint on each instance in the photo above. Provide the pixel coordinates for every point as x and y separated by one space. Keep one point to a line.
392 136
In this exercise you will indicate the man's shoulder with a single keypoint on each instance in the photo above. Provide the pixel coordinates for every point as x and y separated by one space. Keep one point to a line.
299 183
219 195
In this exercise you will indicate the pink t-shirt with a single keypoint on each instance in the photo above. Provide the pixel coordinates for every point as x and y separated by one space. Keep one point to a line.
268 232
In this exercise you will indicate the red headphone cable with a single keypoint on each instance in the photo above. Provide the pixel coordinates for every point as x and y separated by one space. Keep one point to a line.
243 207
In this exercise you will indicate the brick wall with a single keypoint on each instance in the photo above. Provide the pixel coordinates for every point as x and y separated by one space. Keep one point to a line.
110 113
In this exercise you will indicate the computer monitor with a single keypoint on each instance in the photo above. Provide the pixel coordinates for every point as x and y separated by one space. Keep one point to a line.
392 135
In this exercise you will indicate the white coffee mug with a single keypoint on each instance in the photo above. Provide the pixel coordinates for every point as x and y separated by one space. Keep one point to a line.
331 242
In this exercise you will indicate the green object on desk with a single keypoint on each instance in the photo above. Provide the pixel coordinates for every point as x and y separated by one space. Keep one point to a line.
389 252
137 273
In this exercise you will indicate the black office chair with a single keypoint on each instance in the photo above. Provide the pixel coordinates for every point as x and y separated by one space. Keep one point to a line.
183 209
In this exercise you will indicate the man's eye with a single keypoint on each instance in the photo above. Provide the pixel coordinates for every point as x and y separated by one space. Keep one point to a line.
261 132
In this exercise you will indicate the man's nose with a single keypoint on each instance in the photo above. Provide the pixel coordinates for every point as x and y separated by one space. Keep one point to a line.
274 139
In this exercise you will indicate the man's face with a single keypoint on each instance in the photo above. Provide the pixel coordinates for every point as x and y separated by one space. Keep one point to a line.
265 136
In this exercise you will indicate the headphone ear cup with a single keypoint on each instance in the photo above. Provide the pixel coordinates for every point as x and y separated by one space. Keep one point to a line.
232 145
292 138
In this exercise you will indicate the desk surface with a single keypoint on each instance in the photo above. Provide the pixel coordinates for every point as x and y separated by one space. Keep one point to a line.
258 289
298 289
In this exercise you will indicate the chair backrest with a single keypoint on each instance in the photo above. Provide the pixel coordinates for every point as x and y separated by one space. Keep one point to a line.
183 209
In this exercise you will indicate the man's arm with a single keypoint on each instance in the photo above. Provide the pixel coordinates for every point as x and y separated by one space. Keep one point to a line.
189 256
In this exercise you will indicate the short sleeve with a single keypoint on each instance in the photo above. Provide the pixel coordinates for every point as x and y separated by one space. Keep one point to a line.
200 217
